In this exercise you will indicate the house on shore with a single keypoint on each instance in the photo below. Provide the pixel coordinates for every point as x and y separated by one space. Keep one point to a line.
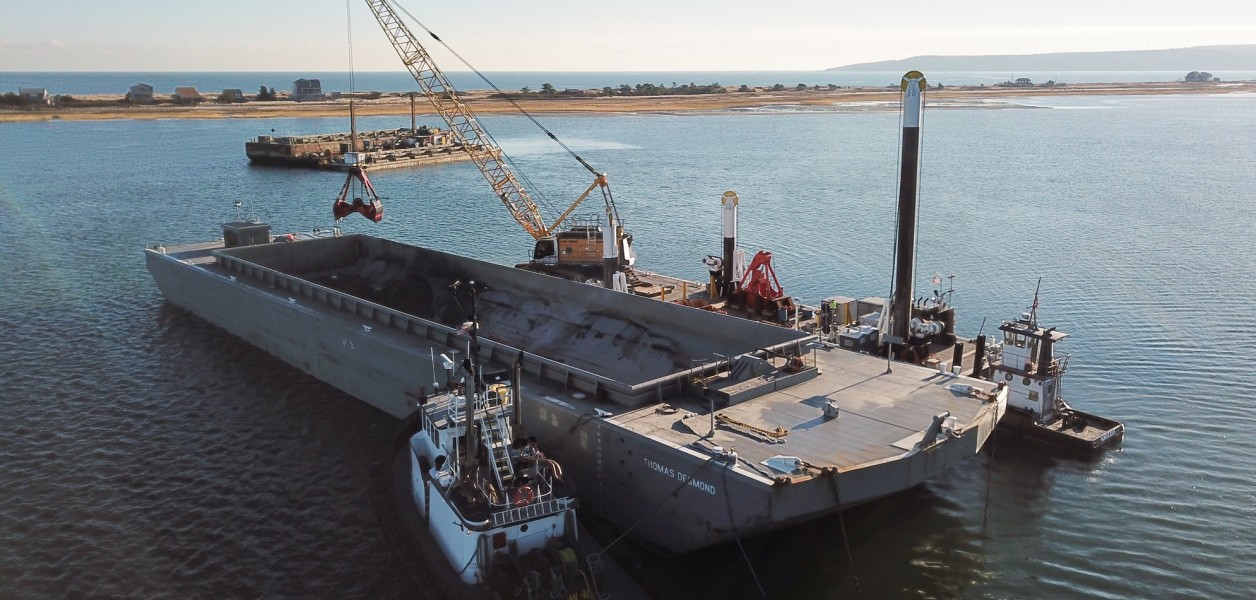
304 90
186 95
140 93
35 96
232 95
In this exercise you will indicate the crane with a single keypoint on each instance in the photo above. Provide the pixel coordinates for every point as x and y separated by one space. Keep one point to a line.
581 247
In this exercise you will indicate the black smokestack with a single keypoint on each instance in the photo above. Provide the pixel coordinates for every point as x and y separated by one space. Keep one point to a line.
909 180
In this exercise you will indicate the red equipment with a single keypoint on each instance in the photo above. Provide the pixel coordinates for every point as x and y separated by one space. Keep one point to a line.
762 278
760 288
371 209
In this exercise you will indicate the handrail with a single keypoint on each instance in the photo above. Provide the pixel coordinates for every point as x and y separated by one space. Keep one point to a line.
534 510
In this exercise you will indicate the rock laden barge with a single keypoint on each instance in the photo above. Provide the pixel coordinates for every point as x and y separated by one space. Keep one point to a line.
383 149
658 411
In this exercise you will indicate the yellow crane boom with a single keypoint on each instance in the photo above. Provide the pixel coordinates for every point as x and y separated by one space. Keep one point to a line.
486 154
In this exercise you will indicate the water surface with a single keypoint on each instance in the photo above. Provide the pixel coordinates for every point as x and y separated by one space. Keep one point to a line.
147 454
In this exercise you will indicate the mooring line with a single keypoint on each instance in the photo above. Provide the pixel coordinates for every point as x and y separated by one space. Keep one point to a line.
841 520
994 433
659 504
732 524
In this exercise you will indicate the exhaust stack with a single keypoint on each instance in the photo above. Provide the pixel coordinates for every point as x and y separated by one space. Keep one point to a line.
730 201
913 87
610 251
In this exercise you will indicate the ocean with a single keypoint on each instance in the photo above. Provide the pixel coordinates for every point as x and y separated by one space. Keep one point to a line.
71 83
147 454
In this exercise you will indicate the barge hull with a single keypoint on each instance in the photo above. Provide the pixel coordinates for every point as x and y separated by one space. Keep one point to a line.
609 380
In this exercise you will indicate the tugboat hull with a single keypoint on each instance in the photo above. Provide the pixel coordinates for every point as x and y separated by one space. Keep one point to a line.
1079 432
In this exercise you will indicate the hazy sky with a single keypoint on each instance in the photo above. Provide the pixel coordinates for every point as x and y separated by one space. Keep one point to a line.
567 35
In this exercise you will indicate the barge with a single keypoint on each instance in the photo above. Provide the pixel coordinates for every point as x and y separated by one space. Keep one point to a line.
382 149
660 412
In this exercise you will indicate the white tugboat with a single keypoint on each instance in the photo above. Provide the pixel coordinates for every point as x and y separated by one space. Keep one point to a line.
492 508
1034 376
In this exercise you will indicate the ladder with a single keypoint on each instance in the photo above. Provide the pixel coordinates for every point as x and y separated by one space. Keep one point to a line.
494 433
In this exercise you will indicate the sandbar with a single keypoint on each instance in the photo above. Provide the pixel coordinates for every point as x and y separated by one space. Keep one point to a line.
104 107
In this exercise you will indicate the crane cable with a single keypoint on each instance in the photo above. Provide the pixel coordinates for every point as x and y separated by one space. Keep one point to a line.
887 311
358 187
349 28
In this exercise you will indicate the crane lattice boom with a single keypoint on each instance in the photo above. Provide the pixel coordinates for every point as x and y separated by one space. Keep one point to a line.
486 154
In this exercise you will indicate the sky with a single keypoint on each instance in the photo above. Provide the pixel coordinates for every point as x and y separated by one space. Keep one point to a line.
605 35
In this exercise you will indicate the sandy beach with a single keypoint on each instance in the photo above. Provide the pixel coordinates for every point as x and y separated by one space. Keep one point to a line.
110 106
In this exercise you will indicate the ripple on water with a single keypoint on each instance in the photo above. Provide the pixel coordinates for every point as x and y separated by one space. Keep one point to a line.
147 454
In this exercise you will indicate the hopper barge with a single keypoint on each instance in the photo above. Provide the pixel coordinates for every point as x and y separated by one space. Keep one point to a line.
684 428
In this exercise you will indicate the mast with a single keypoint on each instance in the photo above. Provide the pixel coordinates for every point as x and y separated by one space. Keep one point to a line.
471 458
1033 309
913 89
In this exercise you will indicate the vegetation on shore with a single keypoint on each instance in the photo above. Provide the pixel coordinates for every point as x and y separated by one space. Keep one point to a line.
548 91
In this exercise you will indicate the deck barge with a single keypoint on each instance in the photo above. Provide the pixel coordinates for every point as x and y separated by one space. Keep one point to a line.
382 149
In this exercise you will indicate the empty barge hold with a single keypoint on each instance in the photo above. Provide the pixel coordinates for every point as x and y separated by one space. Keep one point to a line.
684 427
404 147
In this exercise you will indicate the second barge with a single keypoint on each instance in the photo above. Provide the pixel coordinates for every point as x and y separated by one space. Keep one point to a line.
387 148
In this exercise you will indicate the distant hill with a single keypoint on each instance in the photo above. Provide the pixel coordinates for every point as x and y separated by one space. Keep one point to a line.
1210 58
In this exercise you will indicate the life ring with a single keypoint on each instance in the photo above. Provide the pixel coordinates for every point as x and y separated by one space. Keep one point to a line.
524 496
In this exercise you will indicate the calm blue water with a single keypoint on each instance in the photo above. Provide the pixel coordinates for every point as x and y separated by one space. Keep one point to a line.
400 81
146 454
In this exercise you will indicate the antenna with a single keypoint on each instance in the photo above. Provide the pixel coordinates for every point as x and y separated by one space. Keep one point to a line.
1033 309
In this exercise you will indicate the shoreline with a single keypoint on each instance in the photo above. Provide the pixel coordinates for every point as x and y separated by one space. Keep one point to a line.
481 102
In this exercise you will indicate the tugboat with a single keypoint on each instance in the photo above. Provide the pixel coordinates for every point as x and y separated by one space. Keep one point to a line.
487 514
1028 366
